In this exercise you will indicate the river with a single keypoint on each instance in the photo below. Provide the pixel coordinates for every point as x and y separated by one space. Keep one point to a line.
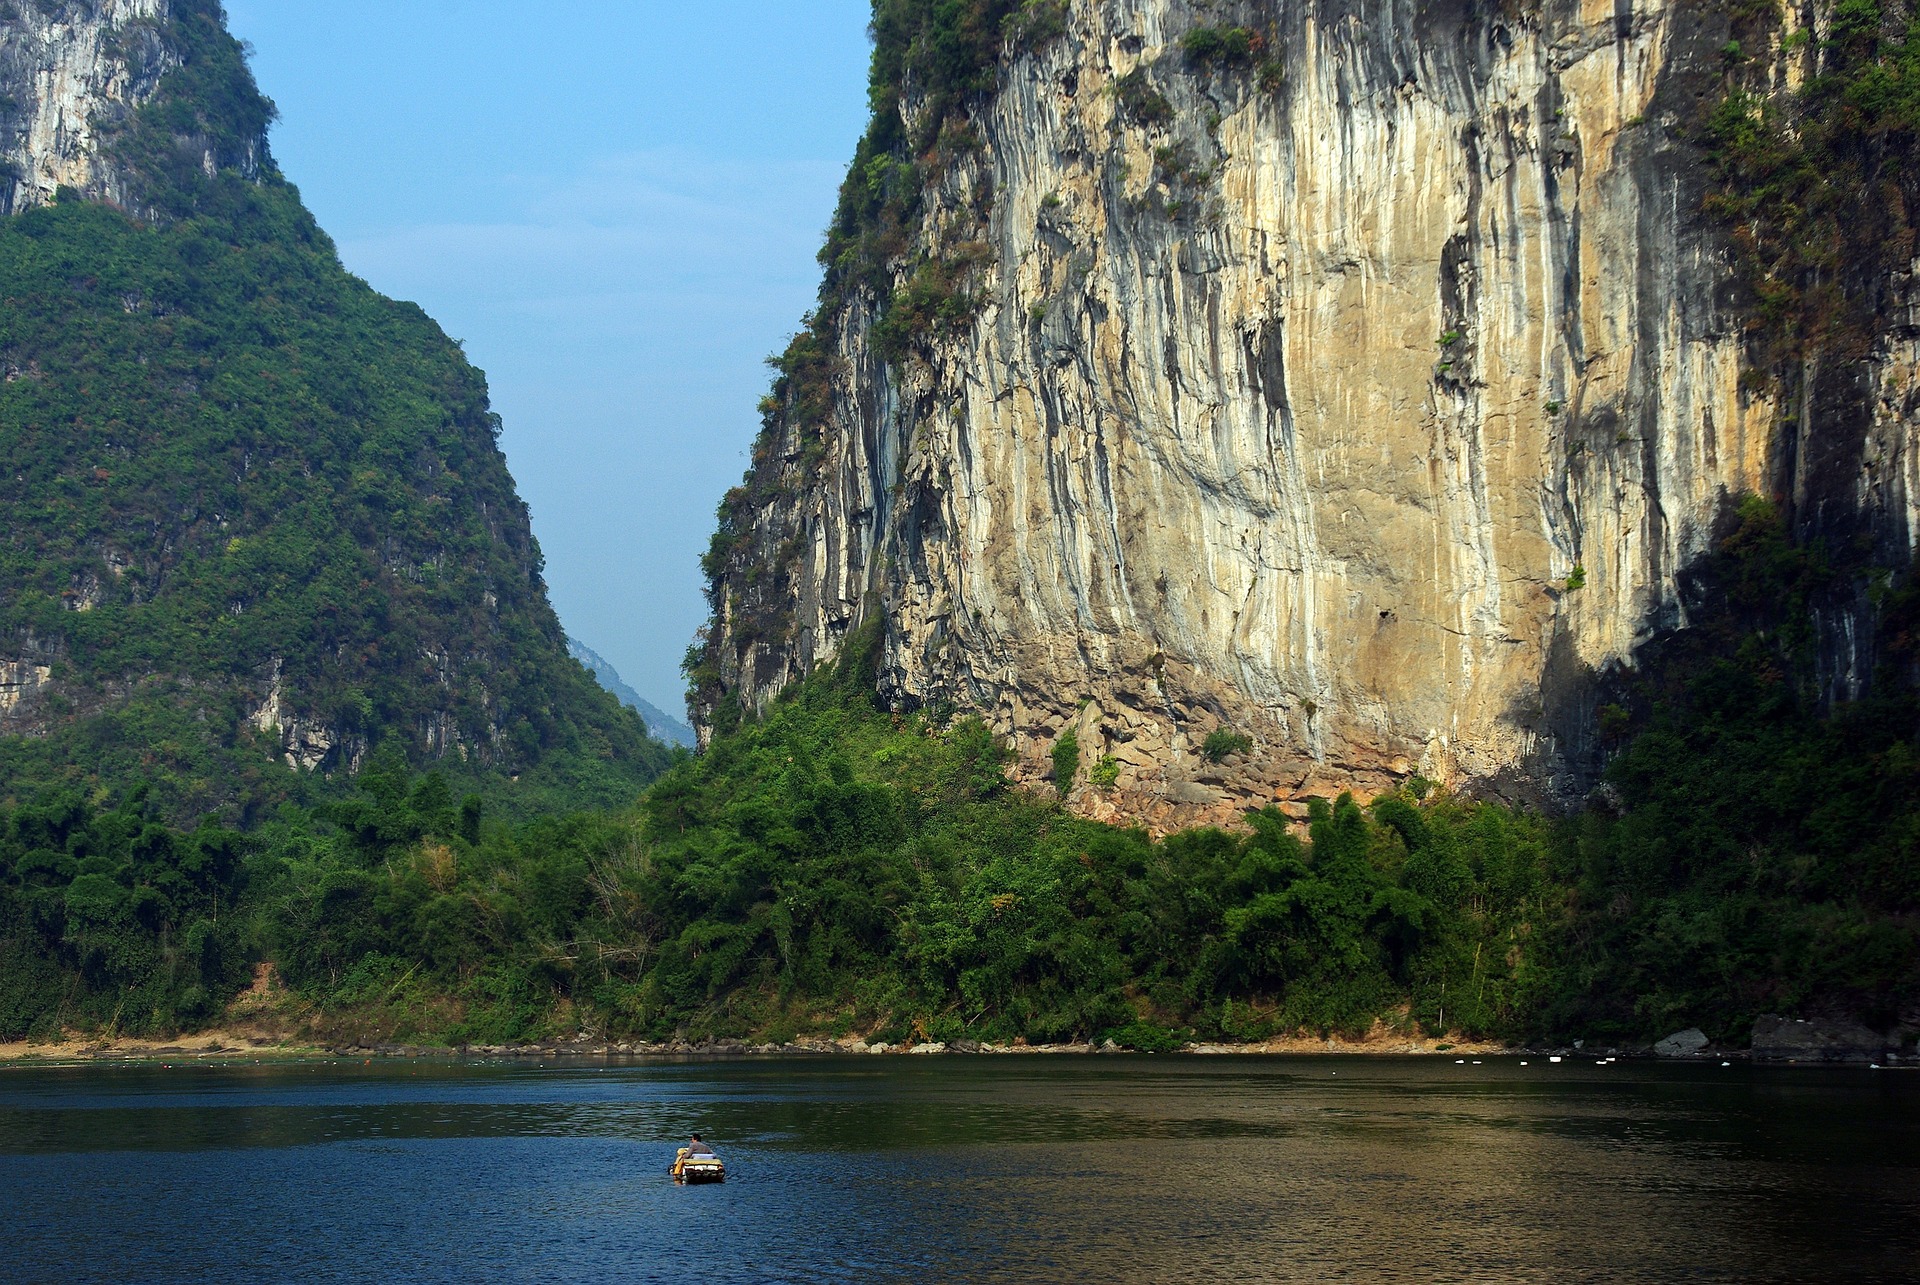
962 1168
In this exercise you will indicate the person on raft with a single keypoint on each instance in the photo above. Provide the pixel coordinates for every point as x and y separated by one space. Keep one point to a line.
694 1149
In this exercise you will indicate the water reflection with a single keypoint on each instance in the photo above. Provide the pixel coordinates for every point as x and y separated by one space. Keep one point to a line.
1031 1168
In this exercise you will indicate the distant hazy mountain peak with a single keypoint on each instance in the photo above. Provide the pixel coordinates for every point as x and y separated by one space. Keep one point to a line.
663 725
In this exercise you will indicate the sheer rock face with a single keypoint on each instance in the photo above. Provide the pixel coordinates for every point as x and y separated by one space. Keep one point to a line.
20 682
1369 413
69 71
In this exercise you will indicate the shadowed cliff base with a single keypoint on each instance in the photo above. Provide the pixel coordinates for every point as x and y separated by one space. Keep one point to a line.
1830 628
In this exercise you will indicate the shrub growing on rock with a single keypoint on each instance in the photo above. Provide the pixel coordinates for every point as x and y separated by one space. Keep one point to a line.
1219 45
1066 760
1224 741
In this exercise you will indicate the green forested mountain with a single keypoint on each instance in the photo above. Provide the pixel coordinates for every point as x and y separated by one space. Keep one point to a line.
258 524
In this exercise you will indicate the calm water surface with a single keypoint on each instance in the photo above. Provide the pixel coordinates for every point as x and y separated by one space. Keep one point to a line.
1005 1168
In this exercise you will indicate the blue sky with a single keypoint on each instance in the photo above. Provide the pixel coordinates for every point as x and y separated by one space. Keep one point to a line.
616 206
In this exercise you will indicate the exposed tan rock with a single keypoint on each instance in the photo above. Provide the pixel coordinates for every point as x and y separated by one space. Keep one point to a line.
20 681
74 68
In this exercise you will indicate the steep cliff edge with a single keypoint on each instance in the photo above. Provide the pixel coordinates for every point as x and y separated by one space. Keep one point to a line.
257 519
1361 380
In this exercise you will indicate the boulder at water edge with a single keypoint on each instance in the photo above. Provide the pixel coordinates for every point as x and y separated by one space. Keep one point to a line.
1780 1039
1682 1043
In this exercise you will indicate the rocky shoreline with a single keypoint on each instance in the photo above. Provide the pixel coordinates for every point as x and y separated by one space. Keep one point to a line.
227 1047
1274 1048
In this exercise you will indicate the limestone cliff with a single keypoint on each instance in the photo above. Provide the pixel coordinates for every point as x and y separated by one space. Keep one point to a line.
1358 377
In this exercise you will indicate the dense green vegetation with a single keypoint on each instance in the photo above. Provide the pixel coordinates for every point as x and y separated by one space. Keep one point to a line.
229 460
836 868
114 921
1222 742
828 868
1221 46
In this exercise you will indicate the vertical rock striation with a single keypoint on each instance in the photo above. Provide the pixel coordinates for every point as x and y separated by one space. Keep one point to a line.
1366 391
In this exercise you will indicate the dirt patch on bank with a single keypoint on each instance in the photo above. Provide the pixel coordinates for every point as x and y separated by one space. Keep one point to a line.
205 1046
263 1021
